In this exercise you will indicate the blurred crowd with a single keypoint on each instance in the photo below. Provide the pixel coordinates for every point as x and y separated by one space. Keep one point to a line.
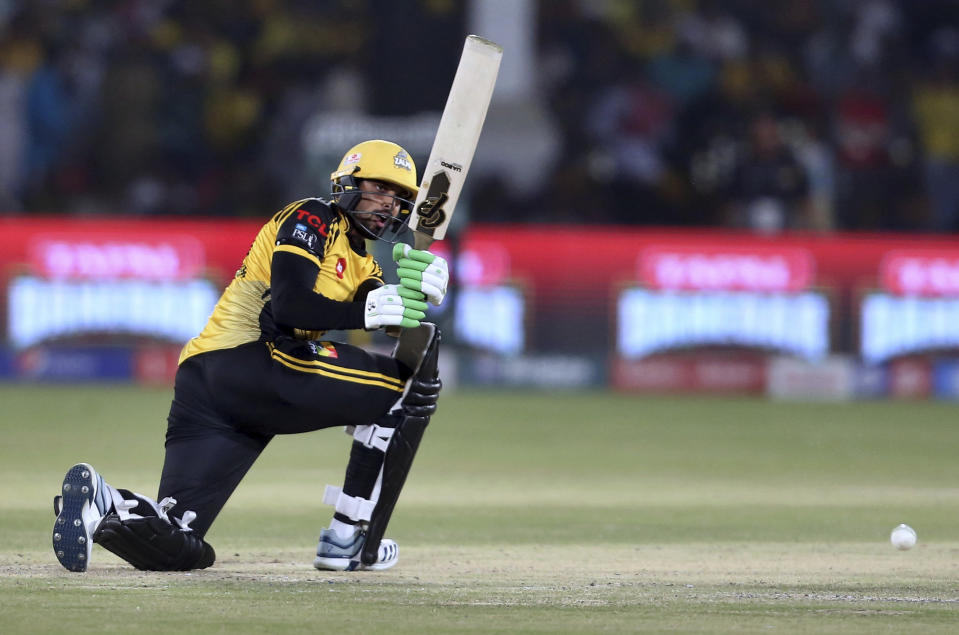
766 115
193 107
792 114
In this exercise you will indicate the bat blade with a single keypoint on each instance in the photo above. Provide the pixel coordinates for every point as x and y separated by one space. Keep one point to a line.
456 139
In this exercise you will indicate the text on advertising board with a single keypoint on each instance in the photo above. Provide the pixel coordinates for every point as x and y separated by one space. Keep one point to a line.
924 273
172 257
719 268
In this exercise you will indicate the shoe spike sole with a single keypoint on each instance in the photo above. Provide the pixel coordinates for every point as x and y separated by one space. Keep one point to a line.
71 544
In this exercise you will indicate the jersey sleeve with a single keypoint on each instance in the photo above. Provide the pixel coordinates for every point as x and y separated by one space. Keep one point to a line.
305 229
296 305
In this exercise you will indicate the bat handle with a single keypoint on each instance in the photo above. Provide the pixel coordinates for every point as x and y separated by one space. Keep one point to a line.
422 240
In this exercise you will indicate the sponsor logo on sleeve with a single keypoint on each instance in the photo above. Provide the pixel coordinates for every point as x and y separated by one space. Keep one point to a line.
323 349
327 350
340 267
312 220
304 235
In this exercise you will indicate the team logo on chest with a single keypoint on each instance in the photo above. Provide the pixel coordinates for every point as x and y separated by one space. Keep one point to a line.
340 267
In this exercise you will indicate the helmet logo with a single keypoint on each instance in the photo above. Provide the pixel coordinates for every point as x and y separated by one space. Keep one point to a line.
353 158
402 160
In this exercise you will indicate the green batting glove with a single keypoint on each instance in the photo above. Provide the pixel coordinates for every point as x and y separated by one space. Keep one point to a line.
422 271
393 305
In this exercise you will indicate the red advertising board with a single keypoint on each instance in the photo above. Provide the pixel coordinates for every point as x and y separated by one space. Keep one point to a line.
560 262
570 276
564 262
109 248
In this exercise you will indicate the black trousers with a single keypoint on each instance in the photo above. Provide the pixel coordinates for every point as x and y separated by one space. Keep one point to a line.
228 404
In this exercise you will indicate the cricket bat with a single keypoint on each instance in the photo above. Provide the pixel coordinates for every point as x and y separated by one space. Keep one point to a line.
455 141
440 188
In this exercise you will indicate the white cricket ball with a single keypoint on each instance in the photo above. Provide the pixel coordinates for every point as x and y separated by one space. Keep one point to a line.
903 537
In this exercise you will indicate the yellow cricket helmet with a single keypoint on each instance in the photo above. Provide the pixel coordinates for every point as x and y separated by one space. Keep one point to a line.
376 160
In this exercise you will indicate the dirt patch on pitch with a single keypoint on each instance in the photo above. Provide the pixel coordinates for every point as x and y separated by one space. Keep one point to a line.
862 573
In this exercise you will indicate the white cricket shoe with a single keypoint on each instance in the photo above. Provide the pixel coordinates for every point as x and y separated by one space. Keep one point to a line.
343 554
81 506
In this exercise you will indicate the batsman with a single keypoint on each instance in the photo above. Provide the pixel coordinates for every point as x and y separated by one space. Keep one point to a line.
262 367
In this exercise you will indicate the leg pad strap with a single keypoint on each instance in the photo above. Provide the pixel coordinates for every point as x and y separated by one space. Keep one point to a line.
353 507
373 436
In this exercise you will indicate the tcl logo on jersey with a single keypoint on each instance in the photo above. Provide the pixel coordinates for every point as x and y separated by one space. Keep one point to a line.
313 220
340 267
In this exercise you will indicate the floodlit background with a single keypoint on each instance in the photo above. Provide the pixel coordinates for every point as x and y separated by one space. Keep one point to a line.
701 355
683 196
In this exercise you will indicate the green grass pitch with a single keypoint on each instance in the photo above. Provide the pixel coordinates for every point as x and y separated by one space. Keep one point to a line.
525 512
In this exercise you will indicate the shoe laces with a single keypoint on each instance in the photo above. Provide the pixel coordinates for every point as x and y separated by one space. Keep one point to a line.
164 506
188 517
124 506
184 521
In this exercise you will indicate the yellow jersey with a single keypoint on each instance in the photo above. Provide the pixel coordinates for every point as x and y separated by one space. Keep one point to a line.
310 229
